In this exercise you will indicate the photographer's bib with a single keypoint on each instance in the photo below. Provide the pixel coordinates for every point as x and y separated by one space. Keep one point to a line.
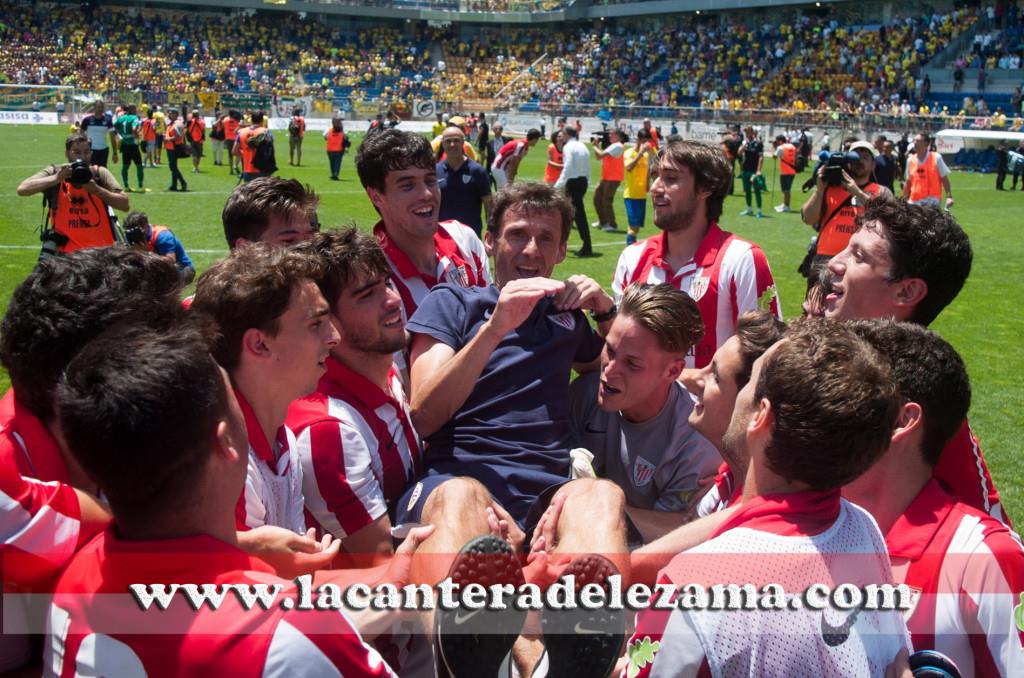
840 218
82 217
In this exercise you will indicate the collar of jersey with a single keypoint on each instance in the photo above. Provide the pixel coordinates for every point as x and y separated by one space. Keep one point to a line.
912 533
40 450
257 441
705 255
795 514
348 384
444 245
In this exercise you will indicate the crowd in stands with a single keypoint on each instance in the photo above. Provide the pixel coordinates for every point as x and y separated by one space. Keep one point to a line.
798 61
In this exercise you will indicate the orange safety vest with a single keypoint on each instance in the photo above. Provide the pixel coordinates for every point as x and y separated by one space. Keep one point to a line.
924 178
788 164
654 137
613 169
248 153
196 127
148 130
335 141
82 217
230 128
175 136
552 173
156 230
840 218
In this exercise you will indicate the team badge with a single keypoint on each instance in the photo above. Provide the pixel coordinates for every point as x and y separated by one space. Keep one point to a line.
566 320
643 472
915 598
699 286
466 178
458 275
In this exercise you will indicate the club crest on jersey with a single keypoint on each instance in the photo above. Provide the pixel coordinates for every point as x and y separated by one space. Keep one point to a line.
643 472
458 275
699 287
566 320
466 178
915 598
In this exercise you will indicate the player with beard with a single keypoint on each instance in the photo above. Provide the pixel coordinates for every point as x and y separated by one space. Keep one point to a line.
357 445
726 275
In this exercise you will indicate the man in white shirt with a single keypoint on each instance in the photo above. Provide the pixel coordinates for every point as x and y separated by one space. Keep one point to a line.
573 180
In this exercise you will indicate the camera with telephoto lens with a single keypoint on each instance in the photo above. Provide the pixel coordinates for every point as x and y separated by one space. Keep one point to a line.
81 173
837 163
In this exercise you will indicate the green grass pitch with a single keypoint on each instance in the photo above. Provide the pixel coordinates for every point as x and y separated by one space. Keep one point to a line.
984 323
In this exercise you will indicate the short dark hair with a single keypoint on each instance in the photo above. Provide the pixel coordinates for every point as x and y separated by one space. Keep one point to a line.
927 243
256 117
391 150
66 301
569 130
250 289
667 312
711 171
642 134
344 254
835 404
250 207
757 331
530 198
532 134
139 409
136 228
929 372
76 138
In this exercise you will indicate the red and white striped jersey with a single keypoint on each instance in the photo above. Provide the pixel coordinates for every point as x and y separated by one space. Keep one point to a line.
95 627
966 572
724 492
963 470
357 446
727 277
40 525
512 149
461 260
26 445
793 541
273 481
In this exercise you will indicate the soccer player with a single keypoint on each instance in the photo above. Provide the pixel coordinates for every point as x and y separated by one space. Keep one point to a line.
506 161
356 442
490 381
726 275
966 567
792 528
88 291
399 173
632 413
269 209
272 335
637 160
153 418
908 262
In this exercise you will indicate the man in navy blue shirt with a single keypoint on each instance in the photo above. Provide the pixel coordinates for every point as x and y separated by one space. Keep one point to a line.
99 126
465 186
490 396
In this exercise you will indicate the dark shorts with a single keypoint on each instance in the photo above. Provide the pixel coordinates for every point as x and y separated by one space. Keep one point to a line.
100 157
786 182
196 150
130 153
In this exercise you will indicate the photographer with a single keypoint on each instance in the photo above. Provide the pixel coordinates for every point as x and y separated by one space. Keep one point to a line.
142 235
608 147
79 197
842 187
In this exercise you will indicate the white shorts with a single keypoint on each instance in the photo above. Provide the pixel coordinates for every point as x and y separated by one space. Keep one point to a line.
500 178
